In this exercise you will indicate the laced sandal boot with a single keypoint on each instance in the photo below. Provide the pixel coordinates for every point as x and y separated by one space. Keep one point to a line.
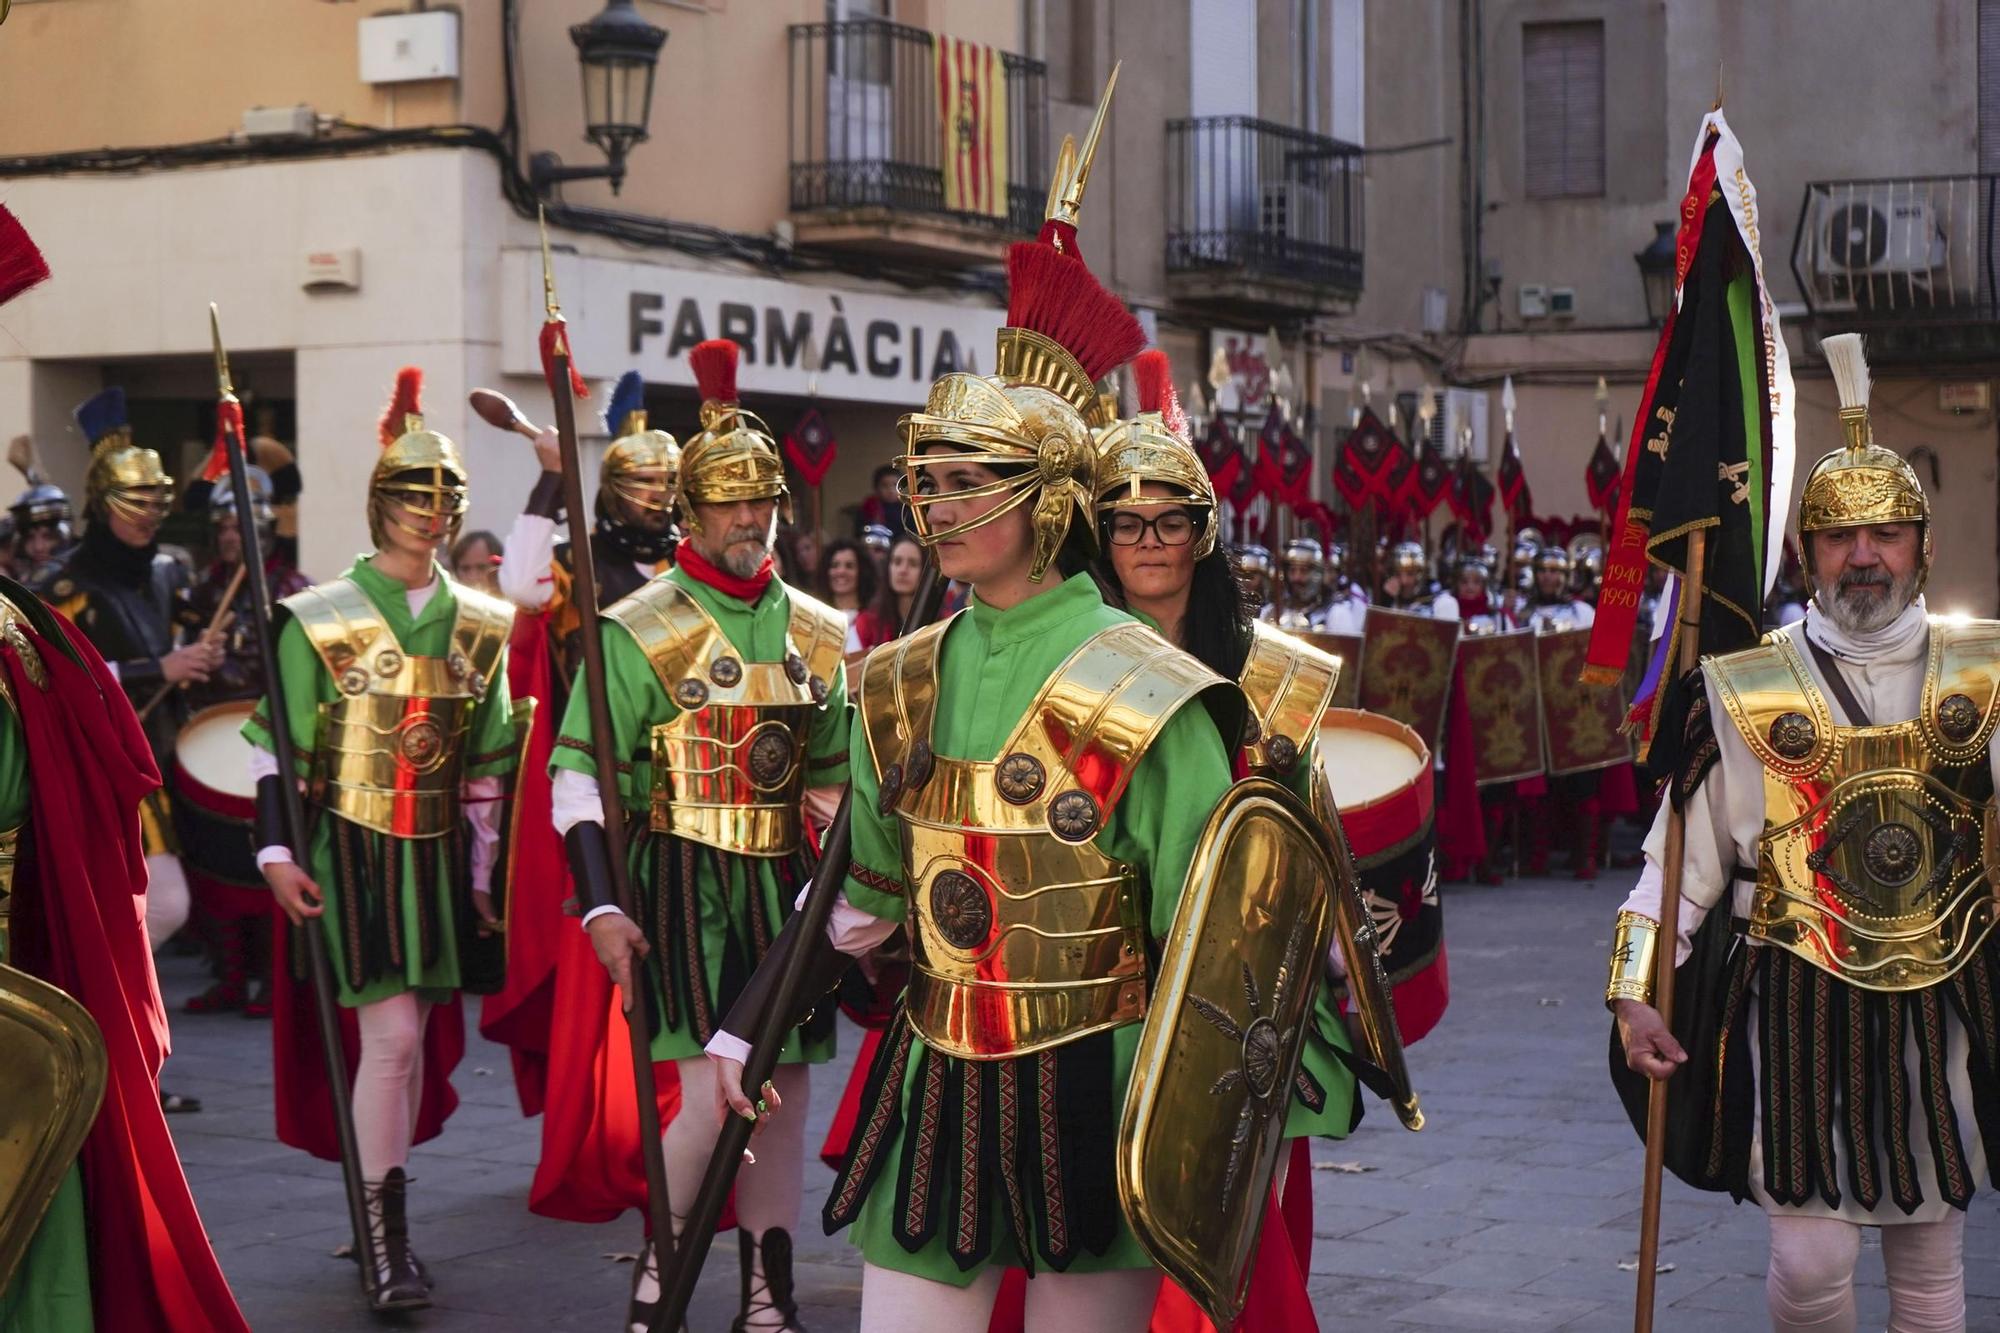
770 1293
399 1279
643 1307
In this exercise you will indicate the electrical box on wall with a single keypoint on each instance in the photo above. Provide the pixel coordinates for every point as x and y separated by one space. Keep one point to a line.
1562 302
406 48
1534 300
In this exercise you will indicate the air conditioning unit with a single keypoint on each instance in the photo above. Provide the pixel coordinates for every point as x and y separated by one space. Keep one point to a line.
1865 236
1452 410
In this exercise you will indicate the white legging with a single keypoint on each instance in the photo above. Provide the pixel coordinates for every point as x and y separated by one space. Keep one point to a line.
1112 1302
1810 1285
388 1082
166 898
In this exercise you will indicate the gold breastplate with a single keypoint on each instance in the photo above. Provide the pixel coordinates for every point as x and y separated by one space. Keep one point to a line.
1024 935
1289 684
1877 858
729 770
389 754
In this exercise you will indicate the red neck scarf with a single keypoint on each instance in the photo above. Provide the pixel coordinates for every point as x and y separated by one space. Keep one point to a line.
696 566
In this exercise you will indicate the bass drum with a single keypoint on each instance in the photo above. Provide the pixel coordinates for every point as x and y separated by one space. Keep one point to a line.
215 805
1380 773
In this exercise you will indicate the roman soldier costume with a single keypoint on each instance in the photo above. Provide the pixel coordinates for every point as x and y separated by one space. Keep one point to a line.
1299 601
41 510
399 697
1835 993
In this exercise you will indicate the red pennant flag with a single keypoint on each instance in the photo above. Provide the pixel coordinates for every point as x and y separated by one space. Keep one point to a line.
1221 455
227 414
1514 492
1366 464
1471 499
1602 475
811 447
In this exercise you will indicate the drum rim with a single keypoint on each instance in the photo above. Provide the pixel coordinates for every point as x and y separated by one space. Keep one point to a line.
184 777
1360 719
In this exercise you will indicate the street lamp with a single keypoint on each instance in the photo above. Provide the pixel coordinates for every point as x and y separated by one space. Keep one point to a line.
1656 273
619 52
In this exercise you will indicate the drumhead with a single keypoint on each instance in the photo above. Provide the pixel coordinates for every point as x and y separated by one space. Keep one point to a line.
1368 757
211 749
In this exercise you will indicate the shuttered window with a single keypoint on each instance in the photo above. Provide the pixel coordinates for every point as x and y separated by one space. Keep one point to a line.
1562 98
1989 85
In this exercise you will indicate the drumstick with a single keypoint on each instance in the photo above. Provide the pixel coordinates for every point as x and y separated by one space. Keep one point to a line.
216 625
497 409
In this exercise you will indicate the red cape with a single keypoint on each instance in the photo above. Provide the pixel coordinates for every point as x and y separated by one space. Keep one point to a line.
79 923
519 1016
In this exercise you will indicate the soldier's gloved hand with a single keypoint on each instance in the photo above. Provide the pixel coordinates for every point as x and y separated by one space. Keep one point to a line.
195 662
548 449
1649 1048
618 941
294 890
730 1099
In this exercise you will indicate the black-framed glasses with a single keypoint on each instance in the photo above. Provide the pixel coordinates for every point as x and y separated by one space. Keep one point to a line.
1173 528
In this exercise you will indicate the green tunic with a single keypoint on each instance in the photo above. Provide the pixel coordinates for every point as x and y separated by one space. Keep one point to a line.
51 1288
723 881
490 752
991 666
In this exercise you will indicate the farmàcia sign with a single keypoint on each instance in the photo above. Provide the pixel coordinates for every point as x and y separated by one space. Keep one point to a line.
869 347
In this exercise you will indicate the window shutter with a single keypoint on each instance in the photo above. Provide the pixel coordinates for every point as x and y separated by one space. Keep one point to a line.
1562 103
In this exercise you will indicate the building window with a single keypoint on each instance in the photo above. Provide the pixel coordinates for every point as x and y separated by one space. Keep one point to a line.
1562 81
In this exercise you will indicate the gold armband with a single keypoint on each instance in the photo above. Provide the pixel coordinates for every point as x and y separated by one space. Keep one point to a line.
1632 949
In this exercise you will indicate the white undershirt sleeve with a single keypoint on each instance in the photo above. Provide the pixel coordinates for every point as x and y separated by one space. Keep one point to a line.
524 562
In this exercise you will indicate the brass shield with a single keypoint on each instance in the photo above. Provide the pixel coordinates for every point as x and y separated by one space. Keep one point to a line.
1503 697
1581 728
1211 1081
1406 665
55 1063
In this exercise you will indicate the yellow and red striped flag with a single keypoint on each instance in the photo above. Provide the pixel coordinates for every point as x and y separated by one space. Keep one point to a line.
972 118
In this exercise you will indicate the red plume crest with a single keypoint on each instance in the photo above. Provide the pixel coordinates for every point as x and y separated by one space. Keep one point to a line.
714 366
1153 376
1057 297
21 263
407 402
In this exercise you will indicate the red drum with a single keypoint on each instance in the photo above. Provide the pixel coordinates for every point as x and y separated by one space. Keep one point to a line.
1381 777
215 806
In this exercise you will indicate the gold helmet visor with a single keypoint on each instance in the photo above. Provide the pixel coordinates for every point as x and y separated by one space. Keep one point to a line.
1139 450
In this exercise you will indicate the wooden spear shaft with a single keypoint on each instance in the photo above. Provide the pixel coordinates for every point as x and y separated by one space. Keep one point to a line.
218 623
1663 956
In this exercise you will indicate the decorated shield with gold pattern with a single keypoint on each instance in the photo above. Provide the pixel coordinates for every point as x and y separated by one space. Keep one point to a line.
55 1063
1205 1113
1503 697
1406 663
1346 647
1581 728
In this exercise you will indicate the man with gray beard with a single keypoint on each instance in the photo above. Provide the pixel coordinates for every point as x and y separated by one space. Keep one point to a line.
1837 968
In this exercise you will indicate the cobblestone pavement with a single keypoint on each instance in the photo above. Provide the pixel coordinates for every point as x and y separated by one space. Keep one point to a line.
1511 1210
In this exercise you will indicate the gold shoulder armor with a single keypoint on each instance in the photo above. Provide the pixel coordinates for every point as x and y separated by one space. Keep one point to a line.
669 626
1105 705
1961 689
480 631
340 622
1770 697
899 693
818 632
1288 685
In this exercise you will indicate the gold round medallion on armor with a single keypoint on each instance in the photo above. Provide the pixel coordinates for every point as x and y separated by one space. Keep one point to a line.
917 769
1893 853
1793 735
726 672
1019 778
691 693
795 667
388 662
459 665
892 787
1262 1050
1284 752
423 743
961 910
771 757
1252 733
1073 816
354 680
1958 718
818 690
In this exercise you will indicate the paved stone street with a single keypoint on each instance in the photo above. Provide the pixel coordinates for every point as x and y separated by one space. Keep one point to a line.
1512 1210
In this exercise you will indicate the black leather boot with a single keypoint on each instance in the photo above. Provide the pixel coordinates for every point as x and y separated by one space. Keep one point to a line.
399 1279
774 1292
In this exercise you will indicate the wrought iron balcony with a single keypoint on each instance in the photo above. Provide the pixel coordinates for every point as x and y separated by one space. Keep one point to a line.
1261 216
872 144
1910 261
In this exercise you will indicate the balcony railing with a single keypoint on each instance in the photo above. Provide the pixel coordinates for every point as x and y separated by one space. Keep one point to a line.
867 133
1911 259
1265 201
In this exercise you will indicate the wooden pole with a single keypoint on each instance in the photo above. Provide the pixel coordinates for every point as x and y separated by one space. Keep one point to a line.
1663 961
217 623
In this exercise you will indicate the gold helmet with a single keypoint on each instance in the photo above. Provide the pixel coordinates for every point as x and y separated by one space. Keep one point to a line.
419 470
1031 422
734 456
1153 447
123 478
1860 482
643 466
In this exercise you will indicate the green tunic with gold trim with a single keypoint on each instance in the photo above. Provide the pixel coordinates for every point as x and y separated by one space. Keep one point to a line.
390 714
962 1163
723 713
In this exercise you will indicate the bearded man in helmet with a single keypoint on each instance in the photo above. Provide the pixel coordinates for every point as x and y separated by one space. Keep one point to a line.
1835 1016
